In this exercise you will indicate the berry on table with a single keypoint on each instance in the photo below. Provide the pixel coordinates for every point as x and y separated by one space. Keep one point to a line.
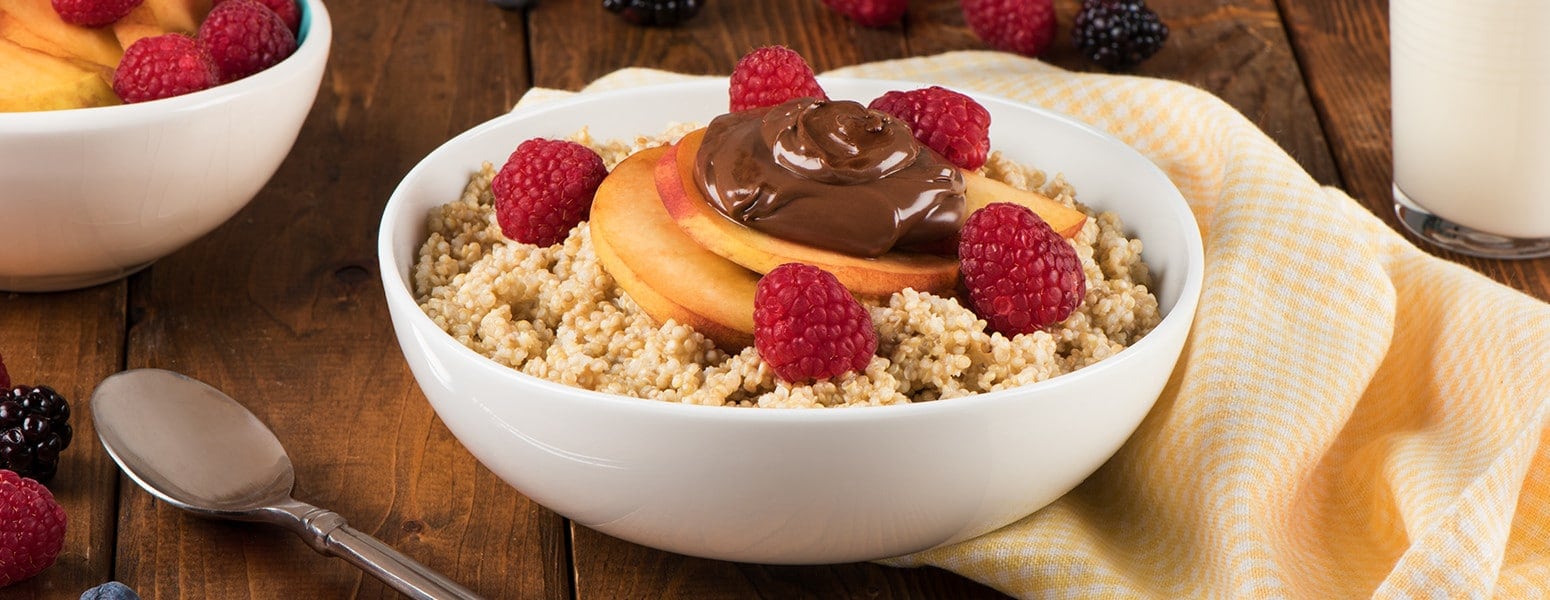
1021 276
772 75
870 13
93 13
1118 34
544 189
34 429
1026 27
163 66
288 10
808 327
951 123
665 13
32 528
111 590
244 37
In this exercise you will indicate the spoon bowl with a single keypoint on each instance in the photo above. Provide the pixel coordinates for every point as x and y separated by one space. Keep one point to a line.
199 450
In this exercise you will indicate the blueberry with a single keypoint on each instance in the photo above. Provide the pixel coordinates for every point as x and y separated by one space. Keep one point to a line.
111 590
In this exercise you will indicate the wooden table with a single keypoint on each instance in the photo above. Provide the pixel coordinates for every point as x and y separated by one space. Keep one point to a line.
282 306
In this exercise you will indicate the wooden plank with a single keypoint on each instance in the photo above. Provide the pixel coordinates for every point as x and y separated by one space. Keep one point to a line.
576 42
70 341
1344 51
282 308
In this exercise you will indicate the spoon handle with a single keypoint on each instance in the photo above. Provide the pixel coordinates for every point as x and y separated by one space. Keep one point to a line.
401 572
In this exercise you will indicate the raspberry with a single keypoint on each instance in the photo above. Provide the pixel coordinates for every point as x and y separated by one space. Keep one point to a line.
807 326
5 378
244 37
163 66
1021 276
546 188
34 429
32 528
1118 34
1023 26
93 13
772 75
288 10
870 13
664 13
951 123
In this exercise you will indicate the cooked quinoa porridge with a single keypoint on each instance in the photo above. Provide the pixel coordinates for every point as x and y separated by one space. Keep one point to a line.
555 313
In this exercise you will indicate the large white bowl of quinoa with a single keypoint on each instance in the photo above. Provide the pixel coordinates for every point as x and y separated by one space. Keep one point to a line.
555 380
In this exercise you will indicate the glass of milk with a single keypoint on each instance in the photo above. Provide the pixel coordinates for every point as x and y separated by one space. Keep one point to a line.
1472 123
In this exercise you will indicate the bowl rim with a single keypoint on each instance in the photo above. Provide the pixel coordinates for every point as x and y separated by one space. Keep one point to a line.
314 37
398 293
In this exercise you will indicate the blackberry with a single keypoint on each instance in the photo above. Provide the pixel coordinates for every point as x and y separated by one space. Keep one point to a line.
665 13
34 429
1118 34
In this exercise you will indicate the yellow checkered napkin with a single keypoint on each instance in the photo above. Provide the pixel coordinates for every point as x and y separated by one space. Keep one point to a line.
1350 418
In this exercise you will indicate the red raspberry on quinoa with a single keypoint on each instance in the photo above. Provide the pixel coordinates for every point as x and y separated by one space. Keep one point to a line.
772 75
951 123
163 66
244 37
808 327
546 188
1021 276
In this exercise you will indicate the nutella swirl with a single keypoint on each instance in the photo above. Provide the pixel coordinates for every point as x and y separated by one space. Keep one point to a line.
830 174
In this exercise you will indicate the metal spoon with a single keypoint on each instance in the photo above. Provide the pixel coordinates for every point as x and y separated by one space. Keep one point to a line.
194 447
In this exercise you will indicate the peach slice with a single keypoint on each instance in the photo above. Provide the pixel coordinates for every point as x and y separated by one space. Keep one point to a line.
156 17
664 271
761 252
31 80
981 191
34 24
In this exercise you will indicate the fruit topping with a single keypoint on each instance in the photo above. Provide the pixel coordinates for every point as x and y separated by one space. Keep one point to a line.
761 252
244 37
544 189
288 11
944 120
163 66
93 13
1118 34
34 429
828 174
808 327
1021 276
32 528
772 75
870 13
111 590
1023 26
665 13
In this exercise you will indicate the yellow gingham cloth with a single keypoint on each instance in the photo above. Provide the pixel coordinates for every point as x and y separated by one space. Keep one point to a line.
1351 417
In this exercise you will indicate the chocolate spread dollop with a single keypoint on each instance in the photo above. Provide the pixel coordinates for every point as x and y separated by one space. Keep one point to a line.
831 174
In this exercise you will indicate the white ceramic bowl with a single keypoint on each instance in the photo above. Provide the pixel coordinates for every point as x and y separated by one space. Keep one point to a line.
93 194
795 486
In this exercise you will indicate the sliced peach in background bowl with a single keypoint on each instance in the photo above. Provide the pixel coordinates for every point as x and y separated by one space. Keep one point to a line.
106 190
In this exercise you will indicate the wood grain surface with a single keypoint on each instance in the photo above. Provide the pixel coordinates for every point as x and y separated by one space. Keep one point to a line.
282 307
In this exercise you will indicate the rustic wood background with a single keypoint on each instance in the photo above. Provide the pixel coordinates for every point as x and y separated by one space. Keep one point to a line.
282 307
